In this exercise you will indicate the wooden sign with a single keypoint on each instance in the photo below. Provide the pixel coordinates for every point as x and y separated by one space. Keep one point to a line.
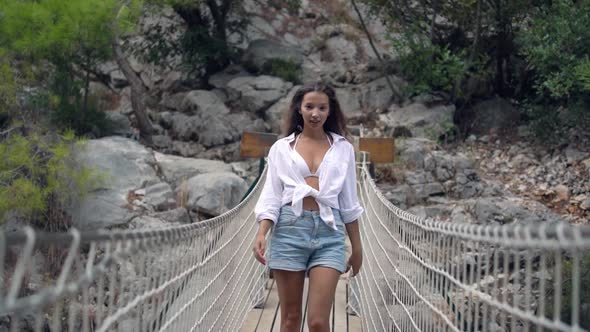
256 145
381 150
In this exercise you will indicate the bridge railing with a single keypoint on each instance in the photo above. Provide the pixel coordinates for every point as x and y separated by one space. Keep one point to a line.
418 275
426 275
197 277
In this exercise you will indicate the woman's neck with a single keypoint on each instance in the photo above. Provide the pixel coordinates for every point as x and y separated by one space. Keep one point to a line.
316 134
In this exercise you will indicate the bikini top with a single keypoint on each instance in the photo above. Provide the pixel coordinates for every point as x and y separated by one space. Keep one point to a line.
302 165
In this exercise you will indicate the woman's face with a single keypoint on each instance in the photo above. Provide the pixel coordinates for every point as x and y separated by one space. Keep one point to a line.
315 109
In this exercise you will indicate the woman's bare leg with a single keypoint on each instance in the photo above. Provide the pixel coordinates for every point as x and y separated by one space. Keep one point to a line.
322 287
290 287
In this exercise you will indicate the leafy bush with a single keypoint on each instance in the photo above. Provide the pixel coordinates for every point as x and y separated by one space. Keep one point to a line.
556 44
567 292
550 122
292 6
36 176
287 70
7 88
428 67
70 109
583 74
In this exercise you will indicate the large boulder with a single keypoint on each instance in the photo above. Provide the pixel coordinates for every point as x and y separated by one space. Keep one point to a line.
204 118
128 166
220 79
335 56
506 210
214 193
120 124
261 51
493 114
204 103
176 169
370 97
338 53
254 94
418 120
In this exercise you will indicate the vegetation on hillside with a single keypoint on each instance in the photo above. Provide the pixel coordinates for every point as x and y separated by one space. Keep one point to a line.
535 52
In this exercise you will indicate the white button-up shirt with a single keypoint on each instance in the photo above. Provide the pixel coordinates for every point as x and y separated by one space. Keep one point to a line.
285 183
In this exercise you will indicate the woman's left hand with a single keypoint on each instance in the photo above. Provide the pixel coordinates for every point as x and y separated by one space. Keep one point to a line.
355 261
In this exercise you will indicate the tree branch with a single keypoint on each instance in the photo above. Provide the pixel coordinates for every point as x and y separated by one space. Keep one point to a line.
394 91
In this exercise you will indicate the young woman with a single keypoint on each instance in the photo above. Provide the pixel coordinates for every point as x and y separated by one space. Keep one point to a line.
309 197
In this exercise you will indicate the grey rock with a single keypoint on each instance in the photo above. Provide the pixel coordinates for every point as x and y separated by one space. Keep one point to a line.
460 215
185 127
173 101
431 211
160 196
118 79
162 142
261 51
419 120
204 103
254 94
400 195
415 150
215 193
425 190
120 124
418 177
128 166
496 113
574 155
187 149
149 222
521 161
221 79
178 215
178 169
501 210
207 120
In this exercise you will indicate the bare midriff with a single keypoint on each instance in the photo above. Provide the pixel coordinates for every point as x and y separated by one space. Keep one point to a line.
309 203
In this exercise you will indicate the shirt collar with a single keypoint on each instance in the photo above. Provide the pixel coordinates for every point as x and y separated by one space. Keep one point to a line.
335 137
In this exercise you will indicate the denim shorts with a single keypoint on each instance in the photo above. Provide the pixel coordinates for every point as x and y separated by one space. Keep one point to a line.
300 243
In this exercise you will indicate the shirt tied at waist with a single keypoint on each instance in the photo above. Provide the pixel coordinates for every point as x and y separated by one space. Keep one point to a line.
303 190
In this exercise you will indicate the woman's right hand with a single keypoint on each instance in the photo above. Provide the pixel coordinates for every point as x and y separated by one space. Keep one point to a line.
259 248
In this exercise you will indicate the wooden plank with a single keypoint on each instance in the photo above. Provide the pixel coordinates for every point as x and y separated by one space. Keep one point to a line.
255 144
271 305
380 149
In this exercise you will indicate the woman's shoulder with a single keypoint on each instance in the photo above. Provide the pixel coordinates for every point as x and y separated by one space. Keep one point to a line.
281 145
341 141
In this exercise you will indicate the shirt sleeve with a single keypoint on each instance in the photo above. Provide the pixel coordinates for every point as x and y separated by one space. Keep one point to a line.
350 209
269 202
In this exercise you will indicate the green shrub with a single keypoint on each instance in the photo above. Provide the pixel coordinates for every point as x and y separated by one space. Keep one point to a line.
35 174
292 6
89 122
69 107
428 67
7 88
550 122
582 71
287 70
567 291
556 44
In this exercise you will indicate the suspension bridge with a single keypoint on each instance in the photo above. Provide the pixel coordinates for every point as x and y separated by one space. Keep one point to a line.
418 275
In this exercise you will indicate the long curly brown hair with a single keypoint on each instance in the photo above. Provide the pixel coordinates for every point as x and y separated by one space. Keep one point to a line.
293 120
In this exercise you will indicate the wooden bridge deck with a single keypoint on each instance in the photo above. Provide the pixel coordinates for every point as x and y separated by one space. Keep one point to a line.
272 307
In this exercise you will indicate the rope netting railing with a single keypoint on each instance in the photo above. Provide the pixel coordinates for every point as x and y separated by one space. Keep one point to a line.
195 277
418 275
426 275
